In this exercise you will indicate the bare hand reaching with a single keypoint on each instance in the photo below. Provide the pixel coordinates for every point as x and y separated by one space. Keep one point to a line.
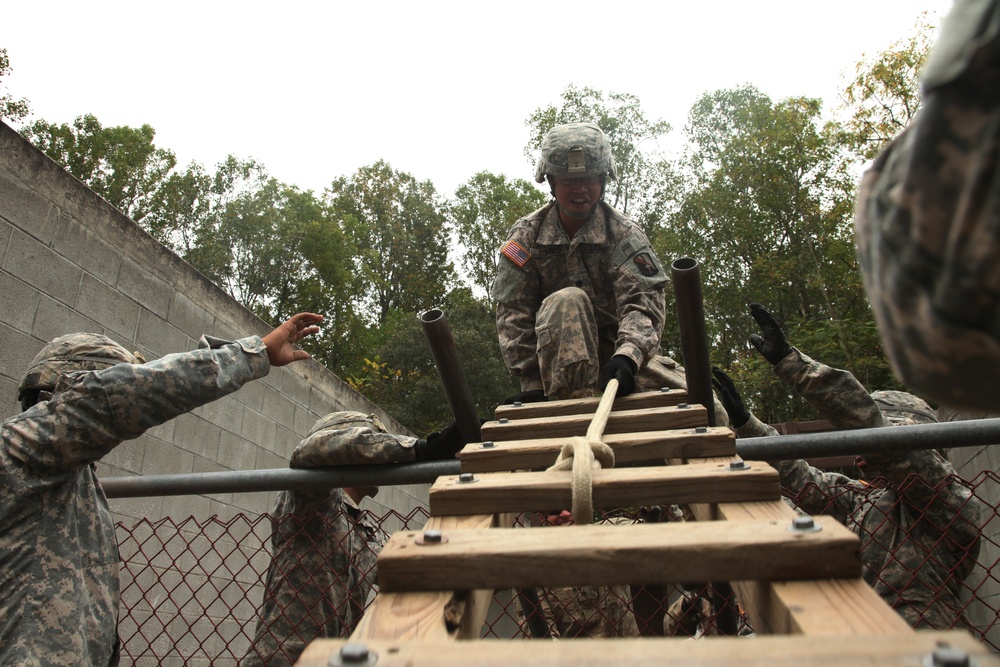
280 342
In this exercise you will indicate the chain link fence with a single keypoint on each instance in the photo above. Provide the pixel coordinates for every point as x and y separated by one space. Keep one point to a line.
192 588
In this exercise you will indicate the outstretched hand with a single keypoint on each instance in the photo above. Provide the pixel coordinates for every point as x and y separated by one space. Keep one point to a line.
280 343
730 397
772 345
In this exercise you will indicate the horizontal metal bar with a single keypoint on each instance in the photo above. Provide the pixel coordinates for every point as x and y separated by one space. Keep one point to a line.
948 435
971 433
277 479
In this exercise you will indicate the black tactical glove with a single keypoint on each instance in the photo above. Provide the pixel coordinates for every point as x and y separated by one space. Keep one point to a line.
772 345
620 368
731 399
440 445
530 396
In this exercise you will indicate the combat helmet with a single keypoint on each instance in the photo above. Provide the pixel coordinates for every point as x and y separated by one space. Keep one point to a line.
72 352
343 420
904 409
575 150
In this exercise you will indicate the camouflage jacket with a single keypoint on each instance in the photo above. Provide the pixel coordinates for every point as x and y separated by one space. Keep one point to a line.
919 532
324 551
58 554
928 227
610 259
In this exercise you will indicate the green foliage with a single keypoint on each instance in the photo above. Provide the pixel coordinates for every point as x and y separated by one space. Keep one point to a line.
767 212
885 93
10 109
122 164
484 209
642 171
401 376
400 231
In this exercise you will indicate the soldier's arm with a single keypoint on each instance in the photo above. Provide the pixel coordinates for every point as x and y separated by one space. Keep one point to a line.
835 394
93 412
639 284
517 293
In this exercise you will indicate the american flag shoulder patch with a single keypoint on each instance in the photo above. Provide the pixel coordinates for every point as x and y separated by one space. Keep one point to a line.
515 252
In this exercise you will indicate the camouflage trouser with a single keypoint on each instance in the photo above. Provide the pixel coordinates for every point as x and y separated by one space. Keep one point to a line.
569 352
587 611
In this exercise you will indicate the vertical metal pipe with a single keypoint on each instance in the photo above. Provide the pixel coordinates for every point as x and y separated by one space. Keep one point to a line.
694 339
456 387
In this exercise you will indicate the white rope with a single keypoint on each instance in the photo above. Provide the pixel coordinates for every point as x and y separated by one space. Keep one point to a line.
583 455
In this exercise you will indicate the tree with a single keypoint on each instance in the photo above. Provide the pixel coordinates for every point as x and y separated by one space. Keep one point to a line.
399 228
122 164
400 375
642 169
10 109
484 209
768 213
885 93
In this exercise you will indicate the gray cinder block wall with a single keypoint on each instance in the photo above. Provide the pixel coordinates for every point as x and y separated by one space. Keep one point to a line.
72 262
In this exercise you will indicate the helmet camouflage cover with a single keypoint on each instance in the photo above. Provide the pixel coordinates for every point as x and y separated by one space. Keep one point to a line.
904 409
351 438
575 150
72 352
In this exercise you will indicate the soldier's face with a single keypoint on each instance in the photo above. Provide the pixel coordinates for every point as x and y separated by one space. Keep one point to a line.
577 196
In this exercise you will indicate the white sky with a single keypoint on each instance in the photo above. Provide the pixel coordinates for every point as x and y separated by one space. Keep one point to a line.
315 90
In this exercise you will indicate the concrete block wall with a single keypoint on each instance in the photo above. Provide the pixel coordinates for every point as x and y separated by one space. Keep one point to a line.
69 262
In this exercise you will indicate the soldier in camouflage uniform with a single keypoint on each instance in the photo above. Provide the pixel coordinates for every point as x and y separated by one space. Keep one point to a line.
928 221
324 549
919 537
82 396
579 290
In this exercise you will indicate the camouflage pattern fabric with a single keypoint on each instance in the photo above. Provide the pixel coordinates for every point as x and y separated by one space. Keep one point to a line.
323 568
612 263
588 611
575 150
352 438
58 556
919 537
928 221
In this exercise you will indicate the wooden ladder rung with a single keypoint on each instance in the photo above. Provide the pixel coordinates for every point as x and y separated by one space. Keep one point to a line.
614 554
906 650
624 421
616 487
540 453
579 406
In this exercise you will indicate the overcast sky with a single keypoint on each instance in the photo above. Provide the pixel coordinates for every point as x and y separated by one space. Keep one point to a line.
315 90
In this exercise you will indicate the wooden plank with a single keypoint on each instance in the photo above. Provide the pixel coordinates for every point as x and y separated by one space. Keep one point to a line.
541 453
432 615
815 608
829 608
588 406
617 487
606 555
903 651
625 421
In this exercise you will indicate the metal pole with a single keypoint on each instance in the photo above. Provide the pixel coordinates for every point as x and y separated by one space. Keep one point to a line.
278 479
456 387
971 433
694 339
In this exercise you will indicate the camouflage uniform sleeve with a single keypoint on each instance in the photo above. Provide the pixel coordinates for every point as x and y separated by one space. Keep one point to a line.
639 284
517 293
92 412
835 394
926 221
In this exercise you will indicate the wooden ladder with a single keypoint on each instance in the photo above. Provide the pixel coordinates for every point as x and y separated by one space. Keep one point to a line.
799 584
